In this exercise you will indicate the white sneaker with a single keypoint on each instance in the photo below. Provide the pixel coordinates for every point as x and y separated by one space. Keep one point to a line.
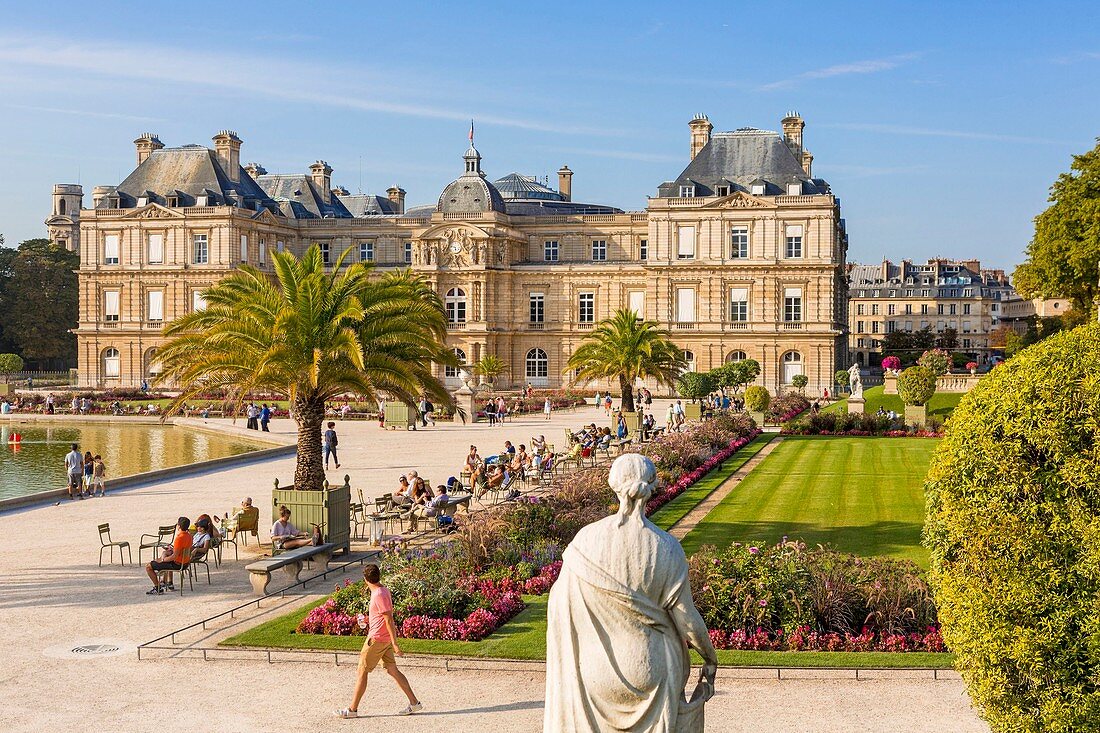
347 713
410 709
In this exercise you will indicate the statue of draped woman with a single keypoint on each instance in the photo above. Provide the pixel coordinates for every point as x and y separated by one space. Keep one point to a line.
620 621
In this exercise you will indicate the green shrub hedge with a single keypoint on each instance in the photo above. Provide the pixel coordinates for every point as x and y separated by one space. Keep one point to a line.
1014 534
916 385
757 398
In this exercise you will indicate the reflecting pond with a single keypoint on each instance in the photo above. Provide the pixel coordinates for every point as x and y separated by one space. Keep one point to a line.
38 462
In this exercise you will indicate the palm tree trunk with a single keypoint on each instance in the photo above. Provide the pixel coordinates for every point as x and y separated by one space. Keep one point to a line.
309 473
627 390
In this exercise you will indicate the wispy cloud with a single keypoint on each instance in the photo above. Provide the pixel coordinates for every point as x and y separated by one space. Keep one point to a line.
933 132
296 82
618 154
86 113
1078 57
869 66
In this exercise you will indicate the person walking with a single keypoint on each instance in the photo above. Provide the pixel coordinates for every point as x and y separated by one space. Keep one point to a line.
74 469
99 473
381 646
265 417
331 441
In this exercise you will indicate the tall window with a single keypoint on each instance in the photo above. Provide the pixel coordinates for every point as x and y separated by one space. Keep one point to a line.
735 356
685 242
739 304
537 366
636 299
156 249
953 309
201 249
550 250
792 366
599 250
152 366
244 248
538 305
110 249
408 253
891 309
689 357
111 305
685 305
874 309
859 327
792 305
859 309
366 251
924 310
112 362
280 246
155 310
325 251
455 303
908 309
739 242
874 326
451 371
643 249
263 251
966 309
587 308
794 241
198 300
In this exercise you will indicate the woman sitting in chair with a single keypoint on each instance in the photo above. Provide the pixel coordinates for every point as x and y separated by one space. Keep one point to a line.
285 535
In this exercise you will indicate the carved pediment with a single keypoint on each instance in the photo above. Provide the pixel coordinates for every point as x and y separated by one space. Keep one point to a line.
153 211
265 216
741 200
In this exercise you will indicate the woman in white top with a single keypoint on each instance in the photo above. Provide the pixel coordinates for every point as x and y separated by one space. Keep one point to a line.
546 408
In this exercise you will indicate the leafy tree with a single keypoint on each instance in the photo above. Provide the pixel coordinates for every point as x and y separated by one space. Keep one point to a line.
490 367
842 377
695 385
309 335
800 381
923 339
1063 256
38 302
1013 343
10 363
916 385
625 347
937 360
1013 495
947 339
736 374
997 337
757 398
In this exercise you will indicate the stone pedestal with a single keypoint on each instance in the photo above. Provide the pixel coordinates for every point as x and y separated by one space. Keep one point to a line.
856 406
465 402
757 417
693 411
890 383
916 415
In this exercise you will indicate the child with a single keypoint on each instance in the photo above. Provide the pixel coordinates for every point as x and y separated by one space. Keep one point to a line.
99 471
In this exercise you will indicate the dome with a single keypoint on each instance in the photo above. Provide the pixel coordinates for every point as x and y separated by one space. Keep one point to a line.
471 193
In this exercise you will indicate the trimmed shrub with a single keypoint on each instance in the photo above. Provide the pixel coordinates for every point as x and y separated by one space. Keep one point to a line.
916 385
757 398
695 385
842 378
10 363
938 360
1014 533
800 381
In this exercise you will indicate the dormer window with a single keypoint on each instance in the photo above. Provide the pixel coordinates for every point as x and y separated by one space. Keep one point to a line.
142 201
758 189
721 190
687 192
794 189
172 201
202 200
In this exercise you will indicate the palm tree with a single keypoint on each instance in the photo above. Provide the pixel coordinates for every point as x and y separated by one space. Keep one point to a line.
626 347
309 335
490 367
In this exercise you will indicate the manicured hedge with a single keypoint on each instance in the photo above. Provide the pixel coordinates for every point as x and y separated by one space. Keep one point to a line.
1014 534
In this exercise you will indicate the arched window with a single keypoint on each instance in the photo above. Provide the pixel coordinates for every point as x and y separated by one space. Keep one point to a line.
859 358
689 357
112 363
152 366
455 302
61 206
792 366
537 365
736 356
451 372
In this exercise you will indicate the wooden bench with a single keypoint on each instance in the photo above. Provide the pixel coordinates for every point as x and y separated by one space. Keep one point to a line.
290 562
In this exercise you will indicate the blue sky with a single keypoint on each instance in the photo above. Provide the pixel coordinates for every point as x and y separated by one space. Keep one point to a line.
941 130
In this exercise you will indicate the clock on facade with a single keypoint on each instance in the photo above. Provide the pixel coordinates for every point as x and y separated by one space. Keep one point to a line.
456 247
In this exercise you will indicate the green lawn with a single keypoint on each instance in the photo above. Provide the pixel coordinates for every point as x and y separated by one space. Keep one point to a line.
860 495
674 511
941 405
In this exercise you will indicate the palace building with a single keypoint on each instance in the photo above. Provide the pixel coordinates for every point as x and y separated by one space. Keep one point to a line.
742 255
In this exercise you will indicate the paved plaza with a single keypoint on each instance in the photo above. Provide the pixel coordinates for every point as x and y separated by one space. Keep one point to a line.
54 597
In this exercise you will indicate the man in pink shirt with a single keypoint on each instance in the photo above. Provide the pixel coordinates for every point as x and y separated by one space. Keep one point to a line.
381 645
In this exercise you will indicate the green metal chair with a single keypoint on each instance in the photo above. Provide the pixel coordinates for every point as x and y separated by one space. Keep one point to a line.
106 542
163 538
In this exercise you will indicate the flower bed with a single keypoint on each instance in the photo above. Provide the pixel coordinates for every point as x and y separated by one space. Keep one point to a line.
805 639
787 406
680 485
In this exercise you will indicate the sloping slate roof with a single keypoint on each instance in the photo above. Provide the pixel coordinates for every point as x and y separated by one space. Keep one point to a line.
556 208
517 186
864 274
742 156
368 205
470 194
304 197
191 170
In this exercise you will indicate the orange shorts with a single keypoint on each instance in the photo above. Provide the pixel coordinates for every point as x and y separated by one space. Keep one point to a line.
373 651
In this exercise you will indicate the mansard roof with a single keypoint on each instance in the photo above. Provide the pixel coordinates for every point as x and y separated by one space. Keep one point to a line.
361 205
300 198
742 157
186 172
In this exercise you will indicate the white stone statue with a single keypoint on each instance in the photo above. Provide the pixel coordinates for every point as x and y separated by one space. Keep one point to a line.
620 621
855 381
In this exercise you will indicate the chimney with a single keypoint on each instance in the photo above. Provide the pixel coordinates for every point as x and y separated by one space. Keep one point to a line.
792 135
700 133
340 191
146 144
255 170
565 183
321 173
808 163
228 147
396 194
